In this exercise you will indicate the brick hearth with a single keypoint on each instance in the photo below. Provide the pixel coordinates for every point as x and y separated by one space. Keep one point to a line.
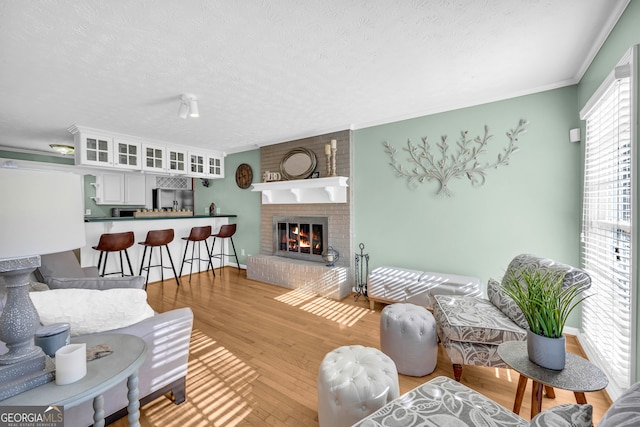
313 277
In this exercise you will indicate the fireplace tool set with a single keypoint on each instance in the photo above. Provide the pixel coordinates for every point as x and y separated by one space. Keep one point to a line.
362 272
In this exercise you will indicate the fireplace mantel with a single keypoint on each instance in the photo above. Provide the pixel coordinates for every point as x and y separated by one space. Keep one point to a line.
316 190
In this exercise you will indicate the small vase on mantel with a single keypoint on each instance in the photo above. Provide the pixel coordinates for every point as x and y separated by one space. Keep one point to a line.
550 353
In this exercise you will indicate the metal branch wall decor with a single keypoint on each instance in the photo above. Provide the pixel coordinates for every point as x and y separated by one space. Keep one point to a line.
464 162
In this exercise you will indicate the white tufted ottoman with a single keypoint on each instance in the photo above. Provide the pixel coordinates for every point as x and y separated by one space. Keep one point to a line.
408 335
353 382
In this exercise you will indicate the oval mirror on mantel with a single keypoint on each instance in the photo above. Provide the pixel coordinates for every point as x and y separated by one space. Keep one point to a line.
298 163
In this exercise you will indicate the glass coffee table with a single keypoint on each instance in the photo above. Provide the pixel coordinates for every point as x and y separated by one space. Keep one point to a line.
129 352
578 376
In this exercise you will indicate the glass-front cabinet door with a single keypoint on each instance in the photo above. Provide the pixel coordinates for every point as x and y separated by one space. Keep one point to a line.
215 167
196 164
177 161
96 150
127 154
153 158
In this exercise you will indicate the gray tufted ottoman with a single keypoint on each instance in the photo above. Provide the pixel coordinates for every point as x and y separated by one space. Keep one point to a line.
408 335
353 382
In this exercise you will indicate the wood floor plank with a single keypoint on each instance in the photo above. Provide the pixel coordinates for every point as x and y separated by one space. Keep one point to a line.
256 350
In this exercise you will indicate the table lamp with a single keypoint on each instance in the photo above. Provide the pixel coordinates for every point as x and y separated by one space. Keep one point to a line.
42 213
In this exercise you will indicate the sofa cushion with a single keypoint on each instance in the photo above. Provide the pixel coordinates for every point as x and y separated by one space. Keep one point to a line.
442 402
61 264
625 410
569 415
475 320
99 283
89 311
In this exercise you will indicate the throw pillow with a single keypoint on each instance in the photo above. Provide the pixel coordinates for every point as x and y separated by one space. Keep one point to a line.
89 311
505 304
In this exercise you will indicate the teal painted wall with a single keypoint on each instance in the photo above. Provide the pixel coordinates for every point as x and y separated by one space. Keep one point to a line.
530 206
625 35
36 157
233 200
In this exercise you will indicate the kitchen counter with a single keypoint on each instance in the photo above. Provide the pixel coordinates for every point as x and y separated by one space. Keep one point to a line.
130 218
95 227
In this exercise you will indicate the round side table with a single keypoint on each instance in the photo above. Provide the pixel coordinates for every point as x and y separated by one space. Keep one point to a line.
129 352
578 376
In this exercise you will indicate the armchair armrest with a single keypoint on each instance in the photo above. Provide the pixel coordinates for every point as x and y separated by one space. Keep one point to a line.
100 283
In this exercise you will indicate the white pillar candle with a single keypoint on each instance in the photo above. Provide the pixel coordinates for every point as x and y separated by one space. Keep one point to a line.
327 149
71 363
334 143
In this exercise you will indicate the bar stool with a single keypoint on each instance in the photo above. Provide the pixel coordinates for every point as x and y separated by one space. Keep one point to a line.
157 238
114 242
226 232
197 235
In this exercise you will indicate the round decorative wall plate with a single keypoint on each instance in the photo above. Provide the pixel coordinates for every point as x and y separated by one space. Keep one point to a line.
244 176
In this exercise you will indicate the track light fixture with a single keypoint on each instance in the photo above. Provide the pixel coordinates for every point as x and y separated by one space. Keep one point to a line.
188 106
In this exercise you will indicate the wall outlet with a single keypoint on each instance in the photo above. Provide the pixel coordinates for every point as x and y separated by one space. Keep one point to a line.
242 252
87 211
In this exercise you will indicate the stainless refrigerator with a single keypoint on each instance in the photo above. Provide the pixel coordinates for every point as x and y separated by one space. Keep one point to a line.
172 199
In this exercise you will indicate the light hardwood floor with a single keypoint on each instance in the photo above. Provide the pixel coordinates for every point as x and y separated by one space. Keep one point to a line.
256 349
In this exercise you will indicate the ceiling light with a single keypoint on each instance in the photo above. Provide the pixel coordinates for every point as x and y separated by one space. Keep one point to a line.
65 150
184 110
193 108
188 106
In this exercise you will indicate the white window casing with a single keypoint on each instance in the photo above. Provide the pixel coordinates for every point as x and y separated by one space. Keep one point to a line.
609 226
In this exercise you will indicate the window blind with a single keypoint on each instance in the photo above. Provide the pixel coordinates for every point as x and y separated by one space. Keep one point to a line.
607 316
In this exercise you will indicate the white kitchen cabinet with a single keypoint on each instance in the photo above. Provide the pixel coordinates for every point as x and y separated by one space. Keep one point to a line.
215 167
177 161
197 164
154 158
120 189
127 154
109 189
134 189
94 149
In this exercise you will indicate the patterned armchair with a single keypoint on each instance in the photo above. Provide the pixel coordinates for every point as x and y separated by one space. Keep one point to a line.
471 328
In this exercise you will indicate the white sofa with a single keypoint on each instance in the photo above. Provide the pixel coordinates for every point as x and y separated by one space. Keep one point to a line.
167 336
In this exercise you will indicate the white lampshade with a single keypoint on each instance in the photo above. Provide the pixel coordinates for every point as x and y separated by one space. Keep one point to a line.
41 213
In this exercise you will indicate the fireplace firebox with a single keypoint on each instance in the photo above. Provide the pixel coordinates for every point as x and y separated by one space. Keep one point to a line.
300 237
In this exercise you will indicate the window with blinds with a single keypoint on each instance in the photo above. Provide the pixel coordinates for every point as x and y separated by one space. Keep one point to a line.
608 316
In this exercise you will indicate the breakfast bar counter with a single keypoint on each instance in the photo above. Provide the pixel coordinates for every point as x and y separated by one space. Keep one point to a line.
181 225
130 218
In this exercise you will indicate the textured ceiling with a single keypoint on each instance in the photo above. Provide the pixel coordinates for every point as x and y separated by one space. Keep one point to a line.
272 71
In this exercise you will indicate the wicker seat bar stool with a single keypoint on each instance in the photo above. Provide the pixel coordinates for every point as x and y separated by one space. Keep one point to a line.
197 235
114 242
157 238
226 232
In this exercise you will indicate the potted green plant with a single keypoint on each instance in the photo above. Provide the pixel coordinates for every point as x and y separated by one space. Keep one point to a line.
546 304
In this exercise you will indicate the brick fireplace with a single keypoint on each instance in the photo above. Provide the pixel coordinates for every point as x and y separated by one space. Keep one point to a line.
315 276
